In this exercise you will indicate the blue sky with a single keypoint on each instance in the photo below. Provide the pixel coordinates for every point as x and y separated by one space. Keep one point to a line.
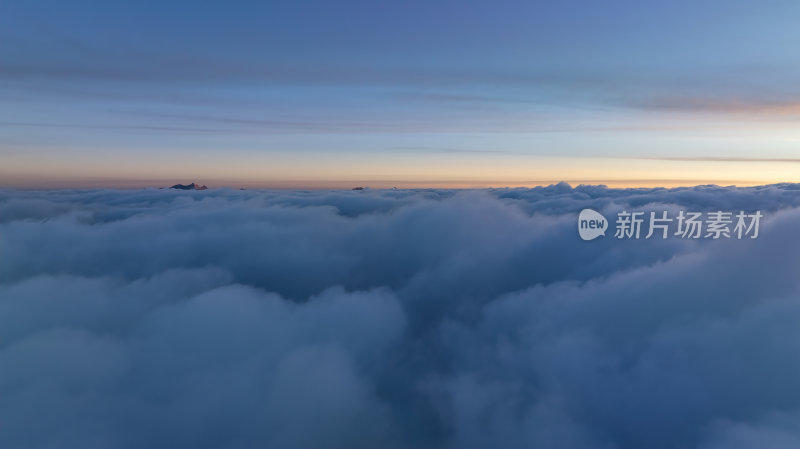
317 94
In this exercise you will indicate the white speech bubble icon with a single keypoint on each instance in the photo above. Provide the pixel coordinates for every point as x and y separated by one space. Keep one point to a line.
591 224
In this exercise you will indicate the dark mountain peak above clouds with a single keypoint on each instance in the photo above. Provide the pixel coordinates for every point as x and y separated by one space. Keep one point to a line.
191 186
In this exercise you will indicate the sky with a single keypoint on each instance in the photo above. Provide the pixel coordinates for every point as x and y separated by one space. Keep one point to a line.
320 94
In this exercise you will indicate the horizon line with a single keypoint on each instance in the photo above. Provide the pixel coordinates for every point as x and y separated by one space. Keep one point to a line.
137 184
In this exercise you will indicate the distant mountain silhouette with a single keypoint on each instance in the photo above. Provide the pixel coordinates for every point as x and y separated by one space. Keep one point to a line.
191 186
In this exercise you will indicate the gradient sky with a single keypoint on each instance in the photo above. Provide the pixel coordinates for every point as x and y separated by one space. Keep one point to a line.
417 93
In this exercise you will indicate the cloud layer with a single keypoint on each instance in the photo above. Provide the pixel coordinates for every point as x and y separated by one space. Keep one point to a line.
426 319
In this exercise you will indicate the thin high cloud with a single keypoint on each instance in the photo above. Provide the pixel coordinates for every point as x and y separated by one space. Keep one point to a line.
791 160
463 88
426 319
735 104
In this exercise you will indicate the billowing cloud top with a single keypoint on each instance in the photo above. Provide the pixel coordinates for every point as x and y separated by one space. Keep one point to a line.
393 319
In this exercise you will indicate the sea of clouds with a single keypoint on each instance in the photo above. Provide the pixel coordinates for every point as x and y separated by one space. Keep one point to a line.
394 319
